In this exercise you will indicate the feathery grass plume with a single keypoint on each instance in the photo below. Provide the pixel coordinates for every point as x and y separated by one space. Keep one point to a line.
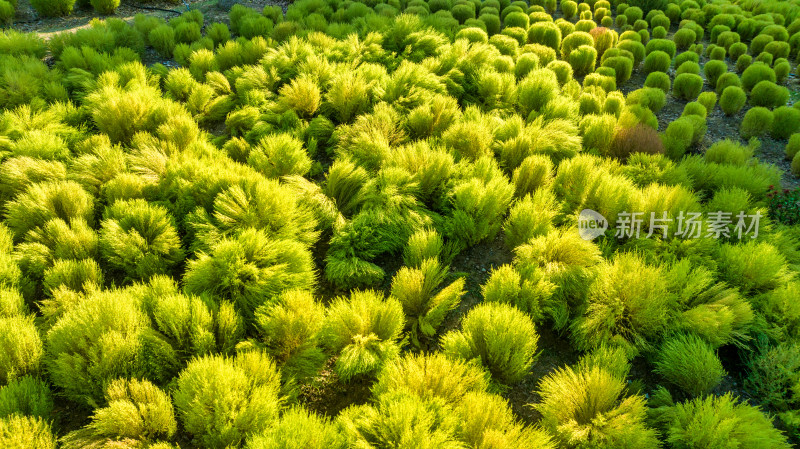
75 275
690 363
11 302
431 168
478 205
486 420
45 201
17 173
432 118
221 401
185 321
250 269
302 95
753 266
121 112
629 303
533 174
137 413
22 347
289 329
298 427
499 337
368 141
278 155
470 140
18 431
768 94
567 261
103 336
529 294
425 310
773 372
56 240
139 239
716 421
430 377
530 217
422 245
536 90
40 144
587 406
363 330
346 185
400 420
95 169
26 396
252 203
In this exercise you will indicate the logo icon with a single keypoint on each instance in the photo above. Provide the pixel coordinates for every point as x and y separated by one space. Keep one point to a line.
591 224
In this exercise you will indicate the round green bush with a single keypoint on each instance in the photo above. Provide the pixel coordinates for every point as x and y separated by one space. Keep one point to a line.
582 59
708 100
717 54
659 32
575 40
736 50
765 57
607 22
623 67
665 45
786 121
713 70
756 73
53 8
732 100
683 38
635 48
769 95
105 6
657 61
497 336
621 21
517 19
569 8
778 49
686 56
756 122
792 146
649 97
7 12
545 33
659 80
492 23
690 363
463 12
473 34
726 39
743 62
562 69
660 20
688 67
694 108
782 69
687 86
633 13
725 80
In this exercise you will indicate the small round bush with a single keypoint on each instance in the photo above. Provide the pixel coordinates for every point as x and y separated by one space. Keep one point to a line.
582 59
686 56
665 45
769 95
545 33
491 22
658 80
473 34
778 49
756 73
638 139
659 32
732 100
743 62
684 38
782 69
708 100
637 49
607 22
569 8
105 6
717 54
633 14
640 25
786 121
462 12
517 19
499 337
713 70
793 146
687 86
725 80
690 363
649 97
694 108
623 67
659 20
562 69
53 8
756 122
688 67
575 40
657 61
737 49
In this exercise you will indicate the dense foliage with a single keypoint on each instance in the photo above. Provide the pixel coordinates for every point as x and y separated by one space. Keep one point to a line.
363 224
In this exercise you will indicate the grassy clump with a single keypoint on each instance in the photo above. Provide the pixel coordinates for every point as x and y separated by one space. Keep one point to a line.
690 363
